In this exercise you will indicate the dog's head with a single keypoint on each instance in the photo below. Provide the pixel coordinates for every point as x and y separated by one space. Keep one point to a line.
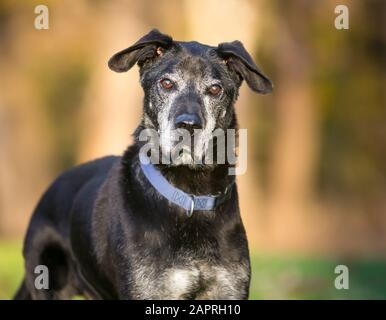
189 85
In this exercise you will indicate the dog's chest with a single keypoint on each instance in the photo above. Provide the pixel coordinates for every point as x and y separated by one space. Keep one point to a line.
194 281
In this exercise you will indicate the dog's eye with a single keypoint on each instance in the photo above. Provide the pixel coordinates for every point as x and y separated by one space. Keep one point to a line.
214 89
167 83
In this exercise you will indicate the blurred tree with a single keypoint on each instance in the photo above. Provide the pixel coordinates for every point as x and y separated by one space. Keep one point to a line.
351 87
295 137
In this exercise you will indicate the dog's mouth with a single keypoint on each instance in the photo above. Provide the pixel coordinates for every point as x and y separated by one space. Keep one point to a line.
182 147
186 150
175 148
183 156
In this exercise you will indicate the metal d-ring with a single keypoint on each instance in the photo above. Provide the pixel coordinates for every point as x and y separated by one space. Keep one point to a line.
190 211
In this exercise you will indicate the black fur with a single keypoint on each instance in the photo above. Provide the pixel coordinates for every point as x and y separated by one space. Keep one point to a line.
106 233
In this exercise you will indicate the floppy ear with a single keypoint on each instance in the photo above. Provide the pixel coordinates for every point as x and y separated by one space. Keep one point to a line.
149 46
239 60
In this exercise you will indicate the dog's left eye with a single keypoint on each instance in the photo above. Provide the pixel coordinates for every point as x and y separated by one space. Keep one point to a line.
214 89
167 83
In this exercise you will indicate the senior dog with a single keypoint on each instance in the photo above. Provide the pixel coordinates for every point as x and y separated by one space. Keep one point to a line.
123 228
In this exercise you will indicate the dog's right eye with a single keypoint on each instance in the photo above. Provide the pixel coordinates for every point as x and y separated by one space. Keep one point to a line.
167 84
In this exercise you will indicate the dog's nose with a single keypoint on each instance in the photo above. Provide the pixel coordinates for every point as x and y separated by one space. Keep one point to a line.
188 121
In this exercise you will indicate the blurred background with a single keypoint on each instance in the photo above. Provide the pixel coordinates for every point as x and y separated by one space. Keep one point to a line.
314 195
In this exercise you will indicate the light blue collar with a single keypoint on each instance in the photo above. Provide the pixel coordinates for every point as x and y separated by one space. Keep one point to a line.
189 202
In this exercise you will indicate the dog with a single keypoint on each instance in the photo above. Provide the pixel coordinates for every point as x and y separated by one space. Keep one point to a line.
117 228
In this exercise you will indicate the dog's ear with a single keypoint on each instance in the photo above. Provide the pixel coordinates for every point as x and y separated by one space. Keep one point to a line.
148 47
239 60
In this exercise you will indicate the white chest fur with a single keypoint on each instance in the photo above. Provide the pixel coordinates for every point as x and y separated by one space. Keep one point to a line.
201 281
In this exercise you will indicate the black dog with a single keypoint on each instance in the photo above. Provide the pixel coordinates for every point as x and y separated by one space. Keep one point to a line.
116 228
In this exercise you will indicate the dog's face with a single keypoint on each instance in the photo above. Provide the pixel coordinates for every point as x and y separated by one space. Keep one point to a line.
189 87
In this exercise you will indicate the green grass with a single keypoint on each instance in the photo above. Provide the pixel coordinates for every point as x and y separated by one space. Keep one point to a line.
273 277
11 268
289 277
